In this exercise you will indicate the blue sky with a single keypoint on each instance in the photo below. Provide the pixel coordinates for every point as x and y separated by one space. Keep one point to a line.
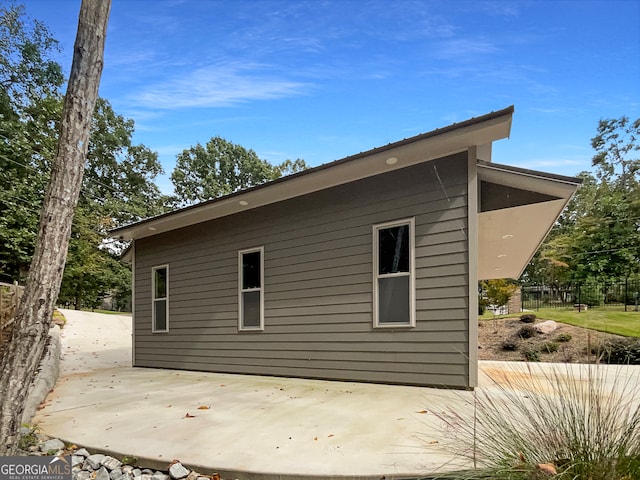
324 79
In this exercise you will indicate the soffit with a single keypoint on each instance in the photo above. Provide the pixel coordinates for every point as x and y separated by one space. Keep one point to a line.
509 237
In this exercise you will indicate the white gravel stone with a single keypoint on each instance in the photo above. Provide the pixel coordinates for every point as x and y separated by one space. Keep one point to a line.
53 444
111 463
82 453
94 461
177 471
83 475
102 474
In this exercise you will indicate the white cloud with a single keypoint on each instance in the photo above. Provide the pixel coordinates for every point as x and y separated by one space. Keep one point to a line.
217 86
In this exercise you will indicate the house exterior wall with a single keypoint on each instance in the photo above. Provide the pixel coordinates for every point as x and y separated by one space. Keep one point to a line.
318 285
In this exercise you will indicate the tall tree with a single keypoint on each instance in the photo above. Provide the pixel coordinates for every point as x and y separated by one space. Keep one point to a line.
30 106
222 167
597 238
33 318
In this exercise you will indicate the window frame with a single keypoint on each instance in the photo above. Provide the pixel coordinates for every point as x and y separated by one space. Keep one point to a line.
241 326
411 274
154 299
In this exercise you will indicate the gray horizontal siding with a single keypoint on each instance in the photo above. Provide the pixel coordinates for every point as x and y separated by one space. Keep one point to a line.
318 286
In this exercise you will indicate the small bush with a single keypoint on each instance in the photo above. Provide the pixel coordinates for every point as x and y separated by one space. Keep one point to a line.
549 347
509 345
563 337
527 331
624 351
530 355
528 318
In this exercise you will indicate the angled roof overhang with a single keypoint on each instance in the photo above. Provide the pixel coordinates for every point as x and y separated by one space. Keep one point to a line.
442 142
518 208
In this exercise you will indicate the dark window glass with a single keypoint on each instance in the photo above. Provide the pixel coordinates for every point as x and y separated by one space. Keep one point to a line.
393 300
160 307
160 282
251 270
393 249
251 309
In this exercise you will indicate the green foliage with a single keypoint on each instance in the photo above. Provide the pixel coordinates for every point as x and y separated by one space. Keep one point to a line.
28 72
29 98
527 331
623 351
118 184
220 168
30 438
584 420
563 337
509 345
549 347
528 318
130 460
531 355
497 292
597 237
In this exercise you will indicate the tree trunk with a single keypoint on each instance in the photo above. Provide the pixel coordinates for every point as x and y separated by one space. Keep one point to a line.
33 318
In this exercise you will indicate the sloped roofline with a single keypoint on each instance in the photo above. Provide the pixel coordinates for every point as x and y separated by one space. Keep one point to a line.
440 142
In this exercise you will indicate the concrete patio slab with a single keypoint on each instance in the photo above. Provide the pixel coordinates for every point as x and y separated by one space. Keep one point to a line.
253 427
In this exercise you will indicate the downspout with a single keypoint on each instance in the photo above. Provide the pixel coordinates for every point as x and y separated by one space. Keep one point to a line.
473 200
133 303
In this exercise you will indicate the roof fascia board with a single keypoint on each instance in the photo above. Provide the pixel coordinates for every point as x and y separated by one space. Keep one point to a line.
419 149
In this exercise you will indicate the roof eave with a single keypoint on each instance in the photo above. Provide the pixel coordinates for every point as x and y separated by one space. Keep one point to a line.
421 148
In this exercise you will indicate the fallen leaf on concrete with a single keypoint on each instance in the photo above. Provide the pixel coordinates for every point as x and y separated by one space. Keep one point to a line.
203 407
189 416
329 436
422 411
315 438
433 442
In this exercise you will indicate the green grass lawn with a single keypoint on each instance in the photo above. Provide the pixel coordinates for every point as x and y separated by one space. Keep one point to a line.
620 323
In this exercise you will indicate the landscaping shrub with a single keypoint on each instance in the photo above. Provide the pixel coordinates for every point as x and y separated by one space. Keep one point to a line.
582 422
528 318
549 347
621 352
563 337
531 355
509 345
527 331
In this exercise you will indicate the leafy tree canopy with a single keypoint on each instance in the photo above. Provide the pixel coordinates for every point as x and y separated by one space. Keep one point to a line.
597 237
222 167
118 185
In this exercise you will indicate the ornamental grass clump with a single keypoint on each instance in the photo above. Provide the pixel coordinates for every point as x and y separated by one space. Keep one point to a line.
570 422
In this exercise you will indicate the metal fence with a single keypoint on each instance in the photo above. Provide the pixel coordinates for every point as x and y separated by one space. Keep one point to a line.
624 295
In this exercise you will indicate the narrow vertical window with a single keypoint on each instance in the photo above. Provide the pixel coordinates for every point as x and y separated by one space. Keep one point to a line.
251 295
393 271
160 298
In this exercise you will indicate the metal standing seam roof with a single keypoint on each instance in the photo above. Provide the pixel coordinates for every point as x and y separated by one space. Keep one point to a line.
134 230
